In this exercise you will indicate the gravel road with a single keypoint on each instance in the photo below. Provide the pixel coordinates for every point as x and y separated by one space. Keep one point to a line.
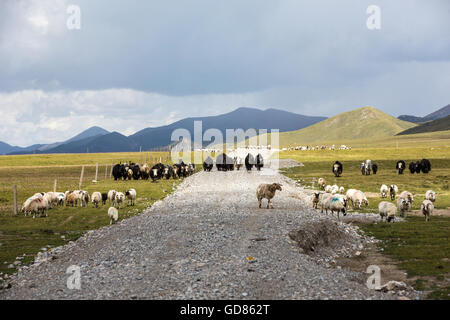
207 240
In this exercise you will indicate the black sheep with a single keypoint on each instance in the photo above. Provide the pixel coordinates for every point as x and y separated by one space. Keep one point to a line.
104 198
412 167
259 162
136 171
418 167
400 166
425 165
337 168
168 172
249 162
374 168
224 162
156 171
119 172
208 164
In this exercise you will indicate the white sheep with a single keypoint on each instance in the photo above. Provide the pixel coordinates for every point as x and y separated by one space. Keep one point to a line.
112 196
328 189
131 196
334 189
113 215
349 194
120 197
387 210
336 202
341 190
321 182
427 208
96 198
430 195
403 205
393 191
408 195
384 191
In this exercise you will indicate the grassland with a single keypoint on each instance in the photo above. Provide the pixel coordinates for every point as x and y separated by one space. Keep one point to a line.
421 249
25 236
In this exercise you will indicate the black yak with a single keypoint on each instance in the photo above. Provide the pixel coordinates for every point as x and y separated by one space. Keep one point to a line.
337 168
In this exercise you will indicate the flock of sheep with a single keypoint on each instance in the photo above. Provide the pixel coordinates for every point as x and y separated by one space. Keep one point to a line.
41 203
133 171
334 199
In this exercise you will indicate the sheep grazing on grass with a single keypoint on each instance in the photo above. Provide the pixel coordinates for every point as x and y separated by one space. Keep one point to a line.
403 205
112 196
328 188
131 196
52 198
341 190
96 198
384 191
336 203
430 195
408 196
30 206
393 191
321 182
387 210
267 191
315 199
427 208
357 197
61 198
119 199
113 215
72 199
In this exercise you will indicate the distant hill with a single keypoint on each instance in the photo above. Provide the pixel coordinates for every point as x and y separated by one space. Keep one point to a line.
47 148
5 148
441 113
242 118
363 123
111 142
441 124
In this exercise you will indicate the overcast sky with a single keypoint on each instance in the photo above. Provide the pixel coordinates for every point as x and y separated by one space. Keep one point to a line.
135 64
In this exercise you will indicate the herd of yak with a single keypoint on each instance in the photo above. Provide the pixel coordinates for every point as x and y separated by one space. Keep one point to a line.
367 167
134 171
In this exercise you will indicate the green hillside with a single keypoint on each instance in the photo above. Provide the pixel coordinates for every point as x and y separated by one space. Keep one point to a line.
362 123
441 124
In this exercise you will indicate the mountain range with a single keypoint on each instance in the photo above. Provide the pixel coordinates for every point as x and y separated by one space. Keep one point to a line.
441 113
98 140
440 124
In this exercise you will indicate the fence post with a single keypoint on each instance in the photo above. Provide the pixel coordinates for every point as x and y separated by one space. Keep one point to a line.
81 177
54 186
96 172
15 199
110 172
106 171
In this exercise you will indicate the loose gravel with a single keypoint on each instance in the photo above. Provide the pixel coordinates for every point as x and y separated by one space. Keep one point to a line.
207 240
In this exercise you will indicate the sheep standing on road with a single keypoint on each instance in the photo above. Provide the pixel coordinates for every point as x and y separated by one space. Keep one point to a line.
131 196
315 199
267 191
387 210
427 208
393 191
430 195
113 215
384 191
358 198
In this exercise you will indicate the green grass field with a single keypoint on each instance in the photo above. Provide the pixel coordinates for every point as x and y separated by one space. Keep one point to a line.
421 249
20 235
